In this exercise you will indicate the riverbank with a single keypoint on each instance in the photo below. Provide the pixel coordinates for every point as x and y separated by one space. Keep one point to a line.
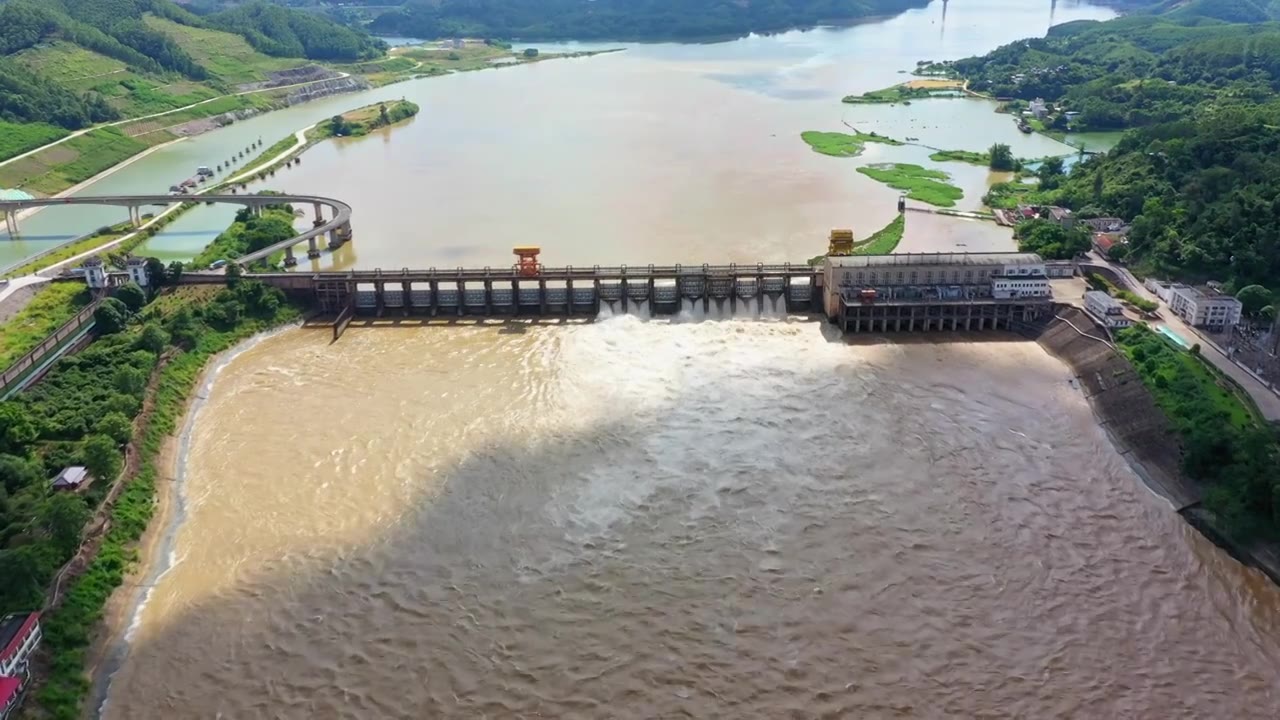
155 548
74 618
1128 412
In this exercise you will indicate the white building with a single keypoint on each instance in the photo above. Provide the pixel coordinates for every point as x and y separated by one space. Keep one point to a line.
1199 309
1038 108
137 268
95 274
936 276
1105 309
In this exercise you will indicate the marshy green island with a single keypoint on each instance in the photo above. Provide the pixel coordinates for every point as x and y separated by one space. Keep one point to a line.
562 360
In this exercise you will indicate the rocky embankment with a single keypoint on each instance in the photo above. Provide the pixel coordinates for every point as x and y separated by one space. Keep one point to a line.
1137 426
325 88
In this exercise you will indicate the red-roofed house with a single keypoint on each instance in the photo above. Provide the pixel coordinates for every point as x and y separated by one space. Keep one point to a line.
10 694
19 638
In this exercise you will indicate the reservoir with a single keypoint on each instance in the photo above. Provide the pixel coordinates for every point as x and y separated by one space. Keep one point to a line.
702 517
663 153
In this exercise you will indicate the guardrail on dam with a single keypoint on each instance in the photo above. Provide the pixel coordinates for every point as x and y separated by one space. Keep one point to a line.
552 291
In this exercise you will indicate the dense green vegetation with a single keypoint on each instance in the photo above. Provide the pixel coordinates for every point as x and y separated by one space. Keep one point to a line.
1203 195
1198 173
619 19
132 34
283 32
842 144
886 239
919 183
1166 65
186 328
1224 447
16 139
964 156
247 234
1050 240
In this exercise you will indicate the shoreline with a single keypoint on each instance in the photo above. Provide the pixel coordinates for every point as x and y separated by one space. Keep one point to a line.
22 214
156 549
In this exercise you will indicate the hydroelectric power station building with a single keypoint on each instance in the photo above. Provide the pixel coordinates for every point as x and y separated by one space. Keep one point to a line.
935 291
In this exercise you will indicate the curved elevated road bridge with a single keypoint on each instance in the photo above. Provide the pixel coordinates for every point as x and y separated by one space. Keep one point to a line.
337 224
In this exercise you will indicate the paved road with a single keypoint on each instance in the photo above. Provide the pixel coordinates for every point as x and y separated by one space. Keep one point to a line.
1265 398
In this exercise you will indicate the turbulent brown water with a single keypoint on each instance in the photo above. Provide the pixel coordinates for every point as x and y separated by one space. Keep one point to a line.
694 519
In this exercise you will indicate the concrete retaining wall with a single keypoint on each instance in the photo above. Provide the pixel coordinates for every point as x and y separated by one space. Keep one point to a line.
1137 426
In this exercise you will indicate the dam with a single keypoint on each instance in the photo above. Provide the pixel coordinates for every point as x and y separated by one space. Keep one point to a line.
860 293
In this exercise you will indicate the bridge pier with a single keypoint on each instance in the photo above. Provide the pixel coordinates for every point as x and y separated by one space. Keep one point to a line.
595 306
319 216
626 290
653 299
568 300
289 259
379 291
515 297
135 216
11 223
435 296
488 297
542 295
313 249
406 287
462 296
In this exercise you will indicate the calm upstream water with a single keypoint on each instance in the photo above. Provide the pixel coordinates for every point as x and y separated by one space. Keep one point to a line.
662 153
712 517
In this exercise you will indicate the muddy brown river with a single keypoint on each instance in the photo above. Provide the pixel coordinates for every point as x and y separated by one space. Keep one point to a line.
722 518
710 518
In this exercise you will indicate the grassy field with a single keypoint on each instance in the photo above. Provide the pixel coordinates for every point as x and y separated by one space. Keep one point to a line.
53 306
919 183
838 144
16 139
73 161
227 56
69 64
886 239
964 156
131 93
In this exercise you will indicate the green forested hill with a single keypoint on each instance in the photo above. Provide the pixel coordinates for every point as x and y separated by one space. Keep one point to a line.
142 41
1198 171
620 19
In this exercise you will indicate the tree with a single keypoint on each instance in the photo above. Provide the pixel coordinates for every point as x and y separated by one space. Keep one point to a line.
63 517
233 274
132 296
17 473
1049 173
383 118
1118 251
338 126
101 458
1253 298
129 381
115 426
20 568
17 429
1268 312
153 338
1001 157
175 271
111 316
531 52
156 274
